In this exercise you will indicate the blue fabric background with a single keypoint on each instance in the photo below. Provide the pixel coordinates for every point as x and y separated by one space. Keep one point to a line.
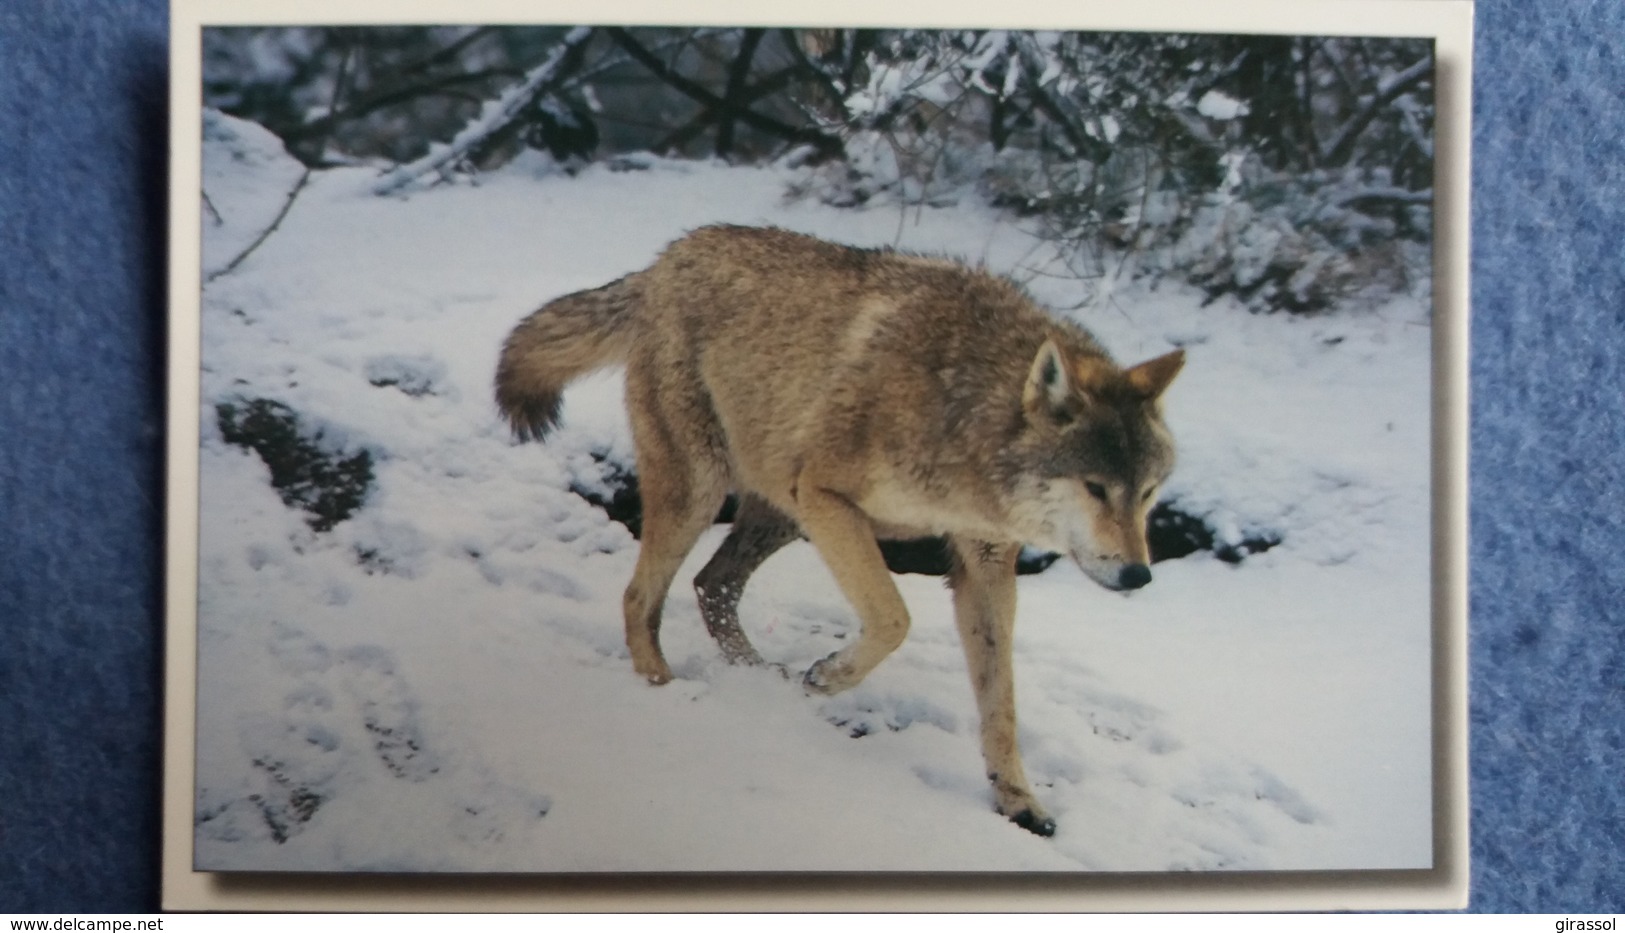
82 189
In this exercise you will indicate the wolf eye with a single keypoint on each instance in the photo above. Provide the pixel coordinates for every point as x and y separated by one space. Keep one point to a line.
1096 490
1146 496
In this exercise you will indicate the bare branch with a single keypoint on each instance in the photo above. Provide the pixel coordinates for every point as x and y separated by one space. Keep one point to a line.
340 84
266 233
1373 196
213 212
1083 146
1341 146
824 143
450 52
496 115
443 85
772 84
1419 137
733 94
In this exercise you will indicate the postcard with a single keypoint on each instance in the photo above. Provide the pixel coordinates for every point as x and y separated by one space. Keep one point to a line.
691 457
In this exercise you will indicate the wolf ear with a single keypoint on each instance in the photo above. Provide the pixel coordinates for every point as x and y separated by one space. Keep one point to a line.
1151 378
1048 386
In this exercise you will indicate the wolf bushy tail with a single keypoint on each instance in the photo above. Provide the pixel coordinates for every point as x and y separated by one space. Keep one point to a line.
567 338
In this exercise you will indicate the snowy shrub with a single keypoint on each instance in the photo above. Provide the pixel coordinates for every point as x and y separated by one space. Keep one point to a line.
1292 244
1248 166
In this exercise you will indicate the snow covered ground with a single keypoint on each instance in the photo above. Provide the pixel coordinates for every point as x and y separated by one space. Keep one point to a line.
439 682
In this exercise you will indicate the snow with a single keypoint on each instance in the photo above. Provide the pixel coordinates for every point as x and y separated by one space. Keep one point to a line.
246 180
1218 106
439 683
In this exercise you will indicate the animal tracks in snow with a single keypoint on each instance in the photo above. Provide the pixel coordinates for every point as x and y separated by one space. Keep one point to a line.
388 713
1131 790
340 712
863 712
416 376
347 729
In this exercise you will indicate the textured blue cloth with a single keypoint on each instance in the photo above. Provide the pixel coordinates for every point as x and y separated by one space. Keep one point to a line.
1548 457
83 102
82 182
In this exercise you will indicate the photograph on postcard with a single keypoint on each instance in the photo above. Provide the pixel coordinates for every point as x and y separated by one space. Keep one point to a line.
756 449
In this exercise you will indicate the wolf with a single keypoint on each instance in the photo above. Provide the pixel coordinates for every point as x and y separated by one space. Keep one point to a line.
853 395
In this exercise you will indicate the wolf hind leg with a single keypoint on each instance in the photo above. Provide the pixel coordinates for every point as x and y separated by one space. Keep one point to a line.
983 579
758 532
683 480
669 533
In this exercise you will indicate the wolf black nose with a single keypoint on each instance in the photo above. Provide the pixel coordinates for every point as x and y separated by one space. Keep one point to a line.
1134 576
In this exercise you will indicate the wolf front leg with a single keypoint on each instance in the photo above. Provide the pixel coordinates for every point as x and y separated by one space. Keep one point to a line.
845 539
983 578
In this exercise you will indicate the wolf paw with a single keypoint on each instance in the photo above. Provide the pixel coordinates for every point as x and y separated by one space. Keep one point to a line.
825 678
1018 804
656 672
813 682
1035 823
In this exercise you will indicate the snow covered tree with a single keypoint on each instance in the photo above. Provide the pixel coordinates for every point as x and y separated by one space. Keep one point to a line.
1293 172
1290 171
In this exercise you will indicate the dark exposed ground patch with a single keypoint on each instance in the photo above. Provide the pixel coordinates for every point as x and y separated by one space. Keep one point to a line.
308 471
1172 533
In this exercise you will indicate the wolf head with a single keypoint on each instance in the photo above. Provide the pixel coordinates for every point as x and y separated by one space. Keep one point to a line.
1095 453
